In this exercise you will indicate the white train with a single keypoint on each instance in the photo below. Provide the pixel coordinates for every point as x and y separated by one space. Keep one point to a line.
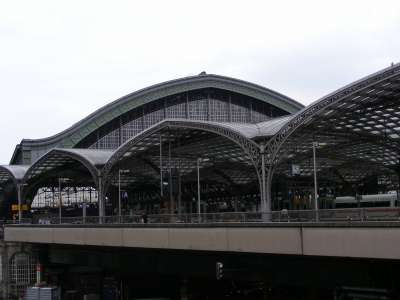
379 200
371 205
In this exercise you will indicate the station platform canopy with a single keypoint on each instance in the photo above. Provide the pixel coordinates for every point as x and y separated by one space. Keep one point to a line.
248 134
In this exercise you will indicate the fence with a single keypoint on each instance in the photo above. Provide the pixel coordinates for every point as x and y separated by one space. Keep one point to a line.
326 215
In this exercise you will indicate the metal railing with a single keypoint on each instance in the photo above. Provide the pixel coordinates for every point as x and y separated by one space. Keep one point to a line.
326 215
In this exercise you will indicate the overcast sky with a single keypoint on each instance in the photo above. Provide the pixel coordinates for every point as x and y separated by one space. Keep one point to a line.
62 60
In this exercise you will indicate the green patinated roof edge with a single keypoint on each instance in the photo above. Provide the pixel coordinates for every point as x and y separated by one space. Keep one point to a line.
185 87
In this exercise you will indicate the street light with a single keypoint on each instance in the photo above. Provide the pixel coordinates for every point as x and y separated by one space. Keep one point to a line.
119 190
199 160
316 144
59 199
19 196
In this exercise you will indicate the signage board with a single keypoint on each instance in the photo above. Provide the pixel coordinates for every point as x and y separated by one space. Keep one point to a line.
38 270
16 207
294 169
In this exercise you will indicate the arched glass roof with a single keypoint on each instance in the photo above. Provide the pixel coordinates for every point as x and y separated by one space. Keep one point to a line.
106 115
16 173
360 125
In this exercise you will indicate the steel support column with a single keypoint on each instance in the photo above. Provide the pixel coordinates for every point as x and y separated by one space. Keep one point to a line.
268 190
198 189
171 196
161 177
59 202
100 195
264 208
179 177
19 202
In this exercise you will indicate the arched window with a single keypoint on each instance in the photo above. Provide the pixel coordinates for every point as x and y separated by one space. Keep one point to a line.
23 269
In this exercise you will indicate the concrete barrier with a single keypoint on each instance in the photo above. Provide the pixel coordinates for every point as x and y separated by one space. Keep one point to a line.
356 239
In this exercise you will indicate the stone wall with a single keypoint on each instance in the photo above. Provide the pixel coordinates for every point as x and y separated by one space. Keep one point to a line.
7 250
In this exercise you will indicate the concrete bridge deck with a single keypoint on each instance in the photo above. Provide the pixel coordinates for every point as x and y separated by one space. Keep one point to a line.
379 240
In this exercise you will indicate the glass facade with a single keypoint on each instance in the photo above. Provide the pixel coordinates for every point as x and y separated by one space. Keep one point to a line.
131 129
177 111
110 141
71 196
258 117
200 110
240 114
152 118
219 111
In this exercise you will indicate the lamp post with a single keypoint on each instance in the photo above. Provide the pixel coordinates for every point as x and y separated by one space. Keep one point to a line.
315 144
19 203
19 196
119 190
59 199
59 202
199 160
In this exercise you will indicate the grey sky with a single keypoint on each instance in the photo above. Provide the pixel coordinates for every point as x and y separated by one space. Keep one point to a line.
62 60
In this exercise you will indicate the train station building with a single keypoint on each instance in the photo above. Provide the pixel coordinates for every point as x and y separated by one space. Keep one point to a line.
218 140
201 145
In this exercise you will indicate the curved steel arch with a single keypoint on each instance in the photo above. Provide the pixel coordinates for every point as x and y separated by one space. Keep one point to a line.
15 172
274 145
71 136
130 101
94 171
326 111
250 147
274 148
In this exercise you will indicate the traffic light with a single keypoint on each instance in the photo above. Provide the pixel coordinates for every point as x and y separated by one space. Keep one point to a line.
219 270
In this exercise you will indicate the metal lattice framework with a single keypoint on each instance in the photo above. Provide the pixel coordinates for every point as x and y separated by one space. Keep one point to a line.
15 173
233 156
360 125
184 85
79 164
71 194
110 114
